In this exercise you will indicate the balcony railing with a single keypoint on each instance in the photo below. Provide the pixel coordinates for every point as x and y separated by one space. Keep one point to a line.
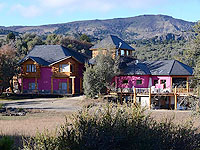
153 90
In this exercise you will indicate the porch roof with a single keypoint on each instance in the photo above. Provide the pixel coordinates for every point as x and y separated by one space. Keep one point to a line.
131 66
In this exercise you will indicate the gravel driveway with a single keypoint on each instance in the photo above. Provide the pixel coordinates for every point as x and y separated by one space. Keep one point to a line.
54 104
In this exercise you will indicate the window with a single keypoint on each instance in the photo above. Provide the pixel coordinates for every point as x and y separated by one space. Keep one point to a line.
30 68
138 82
125 81
62 86
179 82
122 53
163 82
155 82
64 68
72 68
32 86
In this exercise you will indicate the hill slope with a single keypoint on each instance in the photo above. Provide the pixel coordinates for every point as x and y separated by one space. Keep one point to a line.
139 27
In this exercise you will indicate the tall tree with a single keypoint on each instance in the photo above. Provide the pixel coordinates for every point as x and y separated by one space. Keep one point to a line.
80 46
98 77
10 36
85 38
192 56
8 65
53 39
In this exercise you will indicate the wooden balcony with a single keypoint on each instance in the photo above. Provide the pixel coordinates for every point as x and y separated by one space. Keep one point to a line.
31 74
146 91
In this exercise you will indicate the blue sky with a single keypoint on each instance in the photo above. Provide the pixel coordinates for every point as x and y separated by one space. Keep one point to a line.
39 12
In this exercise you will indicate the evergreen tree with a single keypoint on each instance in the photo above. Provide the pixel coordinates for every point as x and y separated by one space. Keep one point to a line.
98 77
10 36
85 38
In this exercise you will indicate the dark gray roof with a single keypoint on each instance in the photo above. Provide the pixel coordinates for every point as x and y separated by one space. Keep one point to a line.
136 69
39 60
130 66
169 67
112 42
48 54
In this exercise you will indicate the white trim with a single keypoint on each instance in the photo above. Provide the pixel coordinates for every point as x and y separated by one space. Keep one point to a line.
71 77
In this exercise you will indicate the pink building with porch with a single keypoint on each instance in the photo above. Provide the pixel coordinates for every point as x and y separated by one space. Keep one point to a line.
153 82
52 69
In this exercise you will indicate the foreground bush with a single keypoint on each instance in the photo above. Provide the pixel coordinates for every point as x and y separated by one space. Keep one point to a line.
6 143
116 128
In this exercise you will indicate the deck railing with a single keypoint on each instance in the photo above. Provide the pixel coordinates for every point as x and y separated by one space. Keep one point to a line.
153 90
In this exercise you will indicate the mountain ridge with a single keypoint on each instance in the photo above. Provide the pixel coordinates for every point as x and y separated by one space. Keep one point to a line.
129 29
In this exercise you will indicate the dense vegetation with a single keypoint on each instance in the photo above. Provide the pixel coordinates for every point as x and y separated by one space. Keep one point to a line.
139 27
160 50
115 127
97 77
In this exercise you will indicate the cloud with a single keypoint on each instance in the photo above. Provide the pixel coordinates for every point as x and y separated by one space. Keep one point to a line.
76 5
28 12
98 5
60 7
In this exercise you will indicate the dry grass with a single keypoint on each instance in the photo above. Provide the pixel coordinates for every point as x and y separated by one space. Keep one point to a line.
37 120
30 124
179 117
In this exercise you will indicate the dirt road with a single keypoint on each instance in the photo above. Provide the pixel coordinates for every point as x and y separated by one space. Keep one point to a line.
67 104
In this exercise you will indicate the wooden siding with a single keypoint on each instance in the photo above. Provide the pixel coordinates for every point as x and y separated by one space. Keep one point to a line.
95 52
30 74
70 61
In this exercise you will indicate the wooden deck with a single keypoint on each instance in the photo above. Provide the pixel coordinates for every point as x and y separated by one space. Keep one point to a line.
148 92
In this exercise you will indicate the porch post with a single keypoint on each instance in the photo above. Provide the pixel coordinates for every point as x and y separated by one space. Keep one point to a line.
121 96
36 84
187 85
73 86
150 98
175 99
134 95
67 85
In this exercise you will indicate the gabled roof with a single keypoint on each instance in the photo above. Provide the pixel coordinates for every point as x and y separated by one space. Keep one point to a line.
112 42
130 66
48 54
169 67
39 60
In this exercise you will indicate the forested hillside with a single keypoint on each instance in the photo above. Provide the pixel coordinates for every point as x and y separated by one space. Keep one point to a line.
159 27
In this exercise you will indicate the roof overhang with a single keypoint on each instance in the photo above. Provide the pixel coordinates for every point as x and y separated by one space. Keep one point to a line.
21 62
63 60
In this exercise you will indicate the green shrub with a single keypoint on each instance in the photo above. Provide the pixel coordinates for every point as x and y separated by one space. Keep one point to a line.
115 128
6 143
1 105
42 141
